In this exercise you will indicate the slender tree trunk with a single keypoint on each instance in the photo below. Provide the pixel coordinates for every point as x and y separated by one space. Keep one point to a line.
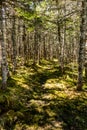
86 46
14 44
35 47
82 46
44 47
86 60
3 48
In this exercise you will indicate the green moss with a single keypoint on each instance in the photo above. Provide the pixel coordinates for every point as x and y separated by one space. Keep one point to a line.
41 97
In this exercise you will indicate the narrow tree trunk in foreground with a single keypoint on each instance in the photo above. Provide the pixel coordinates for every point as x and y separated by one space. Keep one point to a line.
3 48
81 47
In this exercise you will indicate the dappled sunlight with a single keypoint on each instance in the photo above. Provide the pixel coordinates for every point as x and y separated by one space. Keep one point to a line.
55 86
43 99
43 65
59 86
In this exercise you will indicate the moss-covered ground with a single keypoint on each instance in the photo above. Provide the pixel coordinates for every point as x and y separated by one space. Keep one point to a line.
42 98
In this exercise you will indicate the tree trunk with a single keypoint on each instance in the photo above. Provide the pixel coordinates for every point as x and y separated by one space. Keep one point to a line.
86 60
86 46
3 48
14 44
82 46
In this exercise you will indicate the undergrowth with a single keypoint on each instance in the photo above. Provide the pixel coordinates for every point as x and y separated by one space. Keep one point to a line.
40 97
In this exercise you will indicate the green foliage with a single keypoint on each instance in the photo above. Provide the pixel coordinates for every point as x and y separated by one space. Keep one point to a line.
31 15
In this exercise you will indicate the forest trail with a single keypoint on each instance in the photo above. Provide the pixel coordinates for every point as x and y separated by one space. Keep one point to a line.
43 62
42 98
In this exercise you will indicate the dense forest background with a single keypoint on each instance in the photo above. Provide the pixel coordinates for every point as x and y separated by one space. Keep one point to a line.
43 61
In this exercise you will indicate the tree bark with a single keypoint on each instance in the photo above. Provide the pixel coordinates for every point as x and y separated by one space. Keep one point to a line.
86 47
3 48
82 46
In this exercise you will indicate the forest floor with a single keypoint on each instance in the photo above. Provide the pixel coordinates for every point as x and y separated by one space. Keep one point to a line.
42 98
